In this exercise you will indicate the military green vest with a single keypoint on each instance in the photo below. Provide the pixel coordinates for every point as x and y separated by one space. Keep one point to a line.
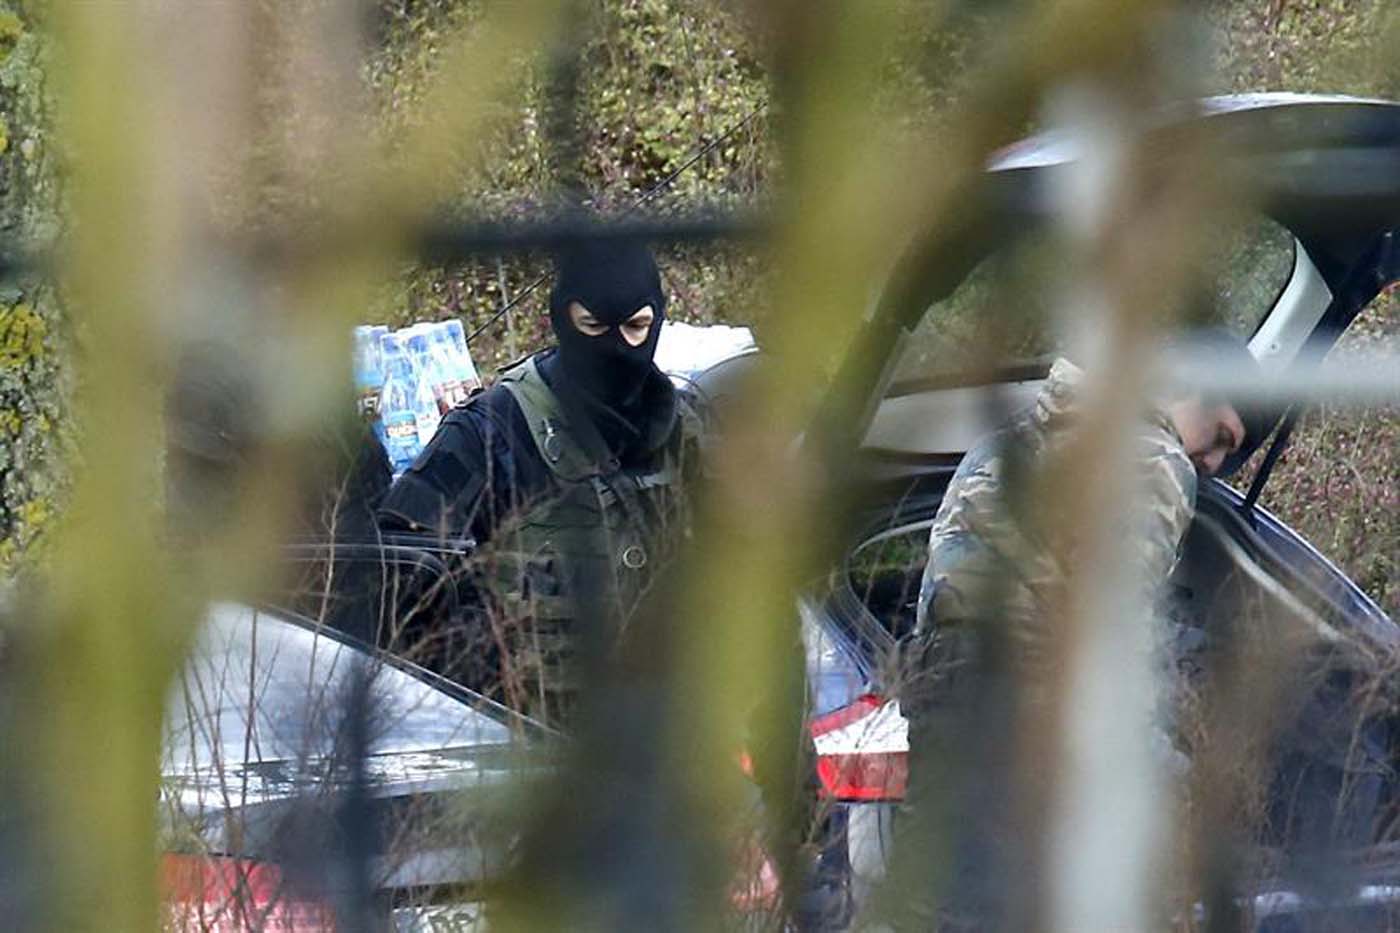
604 531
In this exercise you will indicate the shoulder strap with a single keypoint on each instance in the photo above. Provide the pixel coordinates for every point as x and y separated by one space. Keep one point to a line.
573 450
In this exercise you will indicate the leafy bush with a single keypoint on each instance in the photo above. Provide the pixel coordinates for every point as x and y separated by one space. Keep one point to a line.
34 360
1336 483
659 81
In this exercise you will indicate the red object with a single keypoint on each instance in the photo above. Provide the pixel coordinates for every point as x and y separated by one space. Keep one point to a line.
859 708
219 894
877 776
755 887
853 773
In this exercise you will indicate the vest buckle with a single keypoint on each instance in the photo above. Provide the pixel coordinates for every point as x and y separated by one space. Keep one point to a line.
552 445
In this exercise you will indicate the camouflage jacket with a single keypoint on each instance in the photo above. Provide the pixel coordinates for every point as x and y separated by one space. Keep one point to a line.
990 559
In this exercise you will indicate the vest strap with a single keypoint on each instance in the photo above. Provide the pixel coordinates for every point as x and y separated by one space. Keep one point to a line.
572 449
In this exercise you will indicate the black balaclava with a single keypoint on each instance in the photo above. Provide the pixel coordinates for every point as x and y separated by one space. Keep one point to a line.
613 280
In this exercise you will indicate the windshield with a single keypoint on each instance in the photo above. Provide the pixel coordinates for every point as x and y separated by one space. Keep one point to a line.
1004 313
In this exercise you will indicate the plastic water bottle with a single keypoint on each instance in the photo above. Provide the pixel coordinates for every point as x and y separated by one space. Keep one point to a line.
378 331
447 384
413 351
369 377
425 402
466 369
398 411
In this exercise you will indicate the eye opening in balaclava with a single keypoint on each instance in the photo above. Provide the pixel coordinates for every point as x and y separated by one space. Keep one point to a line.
613 280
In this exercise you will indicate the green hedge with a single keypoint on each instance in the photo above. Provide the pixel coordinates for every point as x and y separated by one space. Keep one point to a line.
659 80
34 362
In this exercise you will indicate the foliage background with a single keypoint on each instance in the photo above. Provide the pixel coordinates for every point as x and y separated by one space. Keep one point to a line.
1336 483
659 80
35 364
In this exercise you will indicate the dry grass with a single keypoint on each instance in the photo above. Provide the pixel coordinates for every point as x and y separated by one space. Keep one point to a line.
1337 484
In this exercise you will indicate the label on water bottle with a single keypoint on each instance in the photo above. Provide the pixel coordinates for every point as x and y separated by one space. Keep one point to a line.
369 403
403 429
427 421
449 395
401 440
402 435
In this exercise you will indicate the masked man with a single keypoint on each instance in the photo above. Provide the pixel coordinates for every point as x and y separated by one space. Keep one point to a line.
568 473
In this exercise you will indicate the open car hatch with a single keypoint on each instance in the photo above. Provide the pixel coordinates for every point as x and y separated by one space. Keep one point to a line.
1324 173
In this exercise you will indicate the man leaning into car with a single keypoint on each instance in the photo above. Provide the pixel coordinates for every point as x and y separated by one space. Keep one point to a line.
977 536
994 556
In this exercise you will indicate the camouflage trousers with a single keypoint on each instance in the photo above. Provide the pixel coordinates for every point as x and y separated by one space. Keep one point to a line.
958 846
968 841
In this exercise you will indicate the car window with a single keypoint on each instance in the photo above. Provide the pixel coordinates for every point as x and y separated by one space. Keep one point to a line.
885 572
1254 263
1004 312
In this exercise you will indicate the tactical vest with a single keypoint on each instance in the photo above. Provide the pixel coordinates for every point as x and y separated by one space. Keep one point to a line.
603 530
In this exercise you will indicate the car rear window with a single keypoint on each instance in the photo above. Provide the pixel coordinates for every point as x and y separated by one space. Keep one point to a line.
1005 312
885 572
